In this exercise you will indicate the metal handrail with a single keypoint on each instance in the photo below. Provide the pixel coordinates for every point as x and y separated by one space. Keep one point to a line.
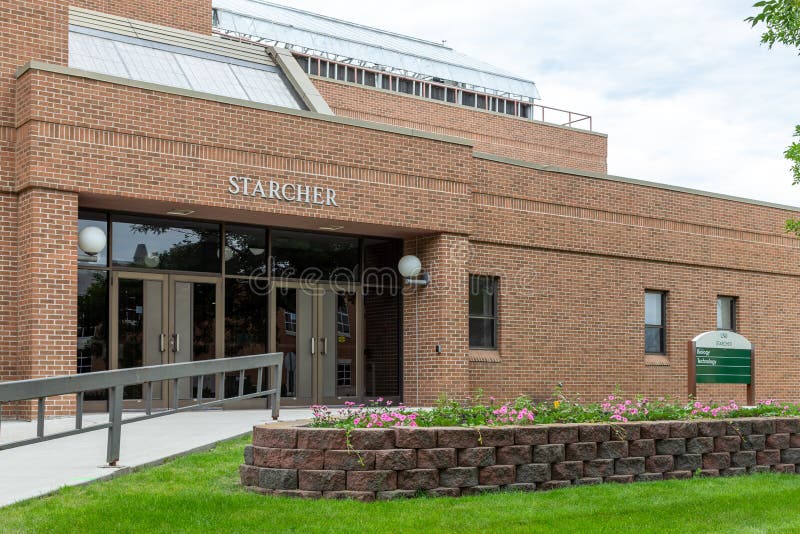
114 381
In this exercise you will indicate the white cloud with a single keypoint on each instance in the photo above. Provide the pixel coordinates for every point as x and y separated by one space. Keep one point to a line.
683 88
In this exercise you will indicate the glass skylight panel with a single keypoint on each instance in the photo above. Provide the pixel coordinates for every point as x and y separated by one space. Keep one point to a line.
211 76
267 87
96 55
147 61
152 65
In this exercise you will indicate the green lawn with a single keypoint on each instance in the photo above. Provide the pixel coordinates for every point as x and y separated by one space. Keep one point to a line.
199 493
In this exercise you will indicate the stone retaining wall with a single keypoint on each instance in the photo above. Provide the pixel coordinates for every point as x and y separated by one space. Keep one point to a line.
404 462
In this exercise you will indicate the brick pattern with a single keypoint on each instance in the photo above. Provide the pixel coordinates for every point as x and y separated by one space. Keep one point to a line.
493 133
399 463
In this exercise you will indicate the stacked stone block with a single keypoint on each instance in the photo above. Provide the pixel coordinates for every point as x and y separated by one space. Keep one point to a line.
369 464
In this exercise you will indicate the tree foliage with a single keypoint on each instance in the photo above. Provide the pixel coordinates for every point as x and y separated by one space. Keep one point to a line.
782 21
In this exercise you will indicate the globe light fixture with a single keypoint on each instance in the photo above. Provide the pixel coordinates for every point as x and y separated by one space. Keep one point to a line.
411 270
92 240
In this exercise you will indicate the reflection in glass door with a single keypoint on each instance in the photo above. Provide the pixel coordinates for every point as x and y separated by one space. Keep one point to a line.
140 305
165 319
193 332
338 337
315 329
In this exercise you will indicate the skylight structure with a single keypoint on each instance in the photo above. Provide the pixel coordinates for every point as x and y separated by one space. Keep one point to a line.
177 66
345 42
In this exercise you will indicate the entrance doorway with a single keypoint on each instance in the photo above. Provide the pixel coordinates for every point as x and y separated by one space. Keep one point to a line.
316 329
162 318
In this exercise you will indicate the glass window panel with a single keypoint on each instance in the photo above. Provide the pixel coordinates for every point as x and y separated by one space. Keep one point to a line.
286 338
653 339
211 76
314 256
245 250
481 296
95 54
204 333
481 333
369 78
245 318
482 101
266 86
653 307
468 99
156 243
346 343
314 67
381 342
245 329
303 62
152 65
380 261
100 220
93 325
406 86
726 307
131 330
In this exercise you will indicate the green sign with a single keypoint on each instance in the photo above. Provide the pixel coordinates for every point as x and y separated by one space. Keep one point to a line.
722 358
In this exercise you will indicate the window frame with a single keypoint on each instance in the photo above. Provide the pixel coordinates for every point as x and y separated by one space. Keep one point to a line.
662 327
734 304
494 317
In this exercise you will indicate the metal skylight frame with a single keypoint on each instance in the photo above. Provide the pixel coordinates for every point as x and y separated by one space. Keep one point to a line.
225 23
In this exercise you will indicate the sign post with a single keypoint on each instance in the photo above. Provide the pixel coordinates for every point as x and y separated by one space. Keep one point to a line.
721 357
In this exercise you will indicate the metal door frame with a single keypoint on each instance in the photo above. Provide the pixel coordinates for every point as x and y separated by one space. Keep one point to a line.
317 315
168 329
219 326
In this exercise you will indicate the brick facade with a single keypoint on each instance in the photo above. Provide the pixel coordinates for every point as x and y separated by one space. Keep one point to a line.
395 463
574 250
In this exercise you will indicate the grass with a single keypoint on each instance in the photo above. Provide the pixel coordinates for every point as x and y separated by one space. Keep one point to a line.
200 493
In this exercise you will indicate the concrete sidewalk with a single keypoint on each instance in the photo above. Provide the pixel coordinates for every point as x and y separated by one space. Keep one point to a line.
42 468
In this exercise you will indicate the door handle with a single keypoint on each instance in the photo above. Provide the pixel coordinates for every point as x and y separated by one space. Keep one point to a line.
313 346
162 342
324 351
176 343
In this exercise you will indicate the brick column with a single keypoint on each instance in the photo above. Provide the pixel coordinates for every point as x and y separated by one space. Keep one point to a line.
437 315
47 285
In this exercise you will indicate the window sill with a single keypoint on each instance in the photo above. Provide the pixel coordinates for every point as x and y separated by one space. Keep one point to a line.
484 355
656 360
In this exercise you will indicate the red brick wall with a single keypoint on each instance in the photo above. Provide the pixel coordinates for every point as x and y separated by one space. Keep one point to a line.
79 139
47 267
578 319
493 133
188 15
436 315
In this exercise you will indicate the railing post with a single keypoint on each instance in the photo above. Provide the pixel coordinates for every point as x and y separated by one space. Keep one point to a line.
79 410
40 418
115 419
276 396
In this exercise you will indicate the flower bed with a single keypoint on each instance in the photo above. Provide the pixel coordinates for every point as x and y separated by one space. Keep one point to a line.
523 411
382 452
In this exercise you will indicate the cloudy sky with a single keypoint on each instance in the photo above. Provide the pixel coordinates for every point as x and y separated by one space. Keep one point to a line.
683 88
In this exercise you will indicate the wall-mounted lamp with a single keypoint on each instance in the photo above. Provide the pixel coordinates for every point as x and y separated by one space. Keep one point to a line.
411 269
92 241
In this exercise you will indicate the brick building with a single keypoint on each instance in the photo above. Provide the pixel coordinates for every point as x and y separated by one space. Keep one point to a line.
257 172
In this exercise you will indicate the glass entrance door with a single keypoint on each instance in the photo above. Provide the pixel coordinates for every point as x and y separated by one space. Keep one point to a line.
163 319
315 328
